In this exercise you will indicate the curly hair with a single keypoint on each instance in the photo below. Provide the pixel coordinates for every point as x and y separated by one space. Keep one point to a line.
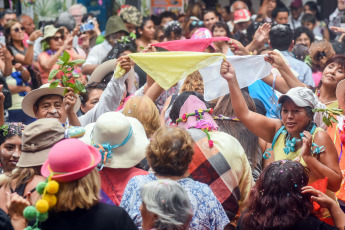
143 109
170 151
276 201
300 30
193 82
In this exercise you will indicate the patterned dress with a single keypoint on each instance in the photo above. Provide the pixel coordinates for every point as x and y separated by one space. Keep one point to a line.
208 213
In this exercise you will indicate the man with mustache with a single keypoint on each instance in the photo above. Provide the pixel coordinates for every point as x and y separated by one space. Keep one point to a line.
45 102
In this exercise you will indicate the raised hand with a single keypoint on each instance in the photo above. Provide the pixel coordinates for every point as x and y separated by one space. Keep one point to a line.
275 60
70 100
338 29
125 63
227 71
237 47
34 35
261 35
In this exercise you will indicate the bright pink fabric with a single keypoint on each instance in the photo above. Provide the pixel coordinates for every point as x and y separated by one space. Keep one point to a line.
317 77
196 45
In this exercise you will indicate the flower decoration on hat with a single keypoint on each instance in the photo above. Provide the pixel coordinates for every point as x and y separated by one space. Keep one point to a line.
47 189
202 124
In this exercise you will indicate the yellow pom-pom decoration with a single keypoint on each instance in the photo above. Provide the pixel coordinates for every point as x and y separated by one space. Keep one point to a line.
52 187
51 199
42 206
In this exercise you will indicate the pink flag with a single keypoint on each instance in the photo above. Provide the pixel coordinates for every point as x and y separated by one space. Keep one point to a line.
196 45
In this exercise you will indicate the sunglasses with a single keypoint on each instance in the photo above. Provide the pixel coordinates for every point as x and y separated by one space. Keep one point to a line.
57 38
199 23
319 55
19 29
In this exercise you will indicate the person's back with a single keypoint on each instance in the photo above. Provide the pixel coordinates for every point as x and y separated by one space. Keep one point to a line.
100 216
281 38
228 171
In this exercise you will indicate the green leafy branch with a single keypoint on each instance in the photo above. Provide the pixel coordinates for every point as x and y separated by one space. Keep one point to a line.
329 115
67 68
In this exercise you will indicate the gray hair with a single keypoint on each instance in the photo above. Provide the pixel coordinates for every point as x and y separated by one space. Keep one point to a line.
78 6
232 5
169 201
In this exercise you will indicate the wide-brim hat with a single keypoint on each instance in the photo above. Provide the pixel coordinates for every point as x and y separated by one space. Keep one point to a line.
340 94
301 96
102 70
49 31
115 24
113 128
31 98
105 68
70 160
37 139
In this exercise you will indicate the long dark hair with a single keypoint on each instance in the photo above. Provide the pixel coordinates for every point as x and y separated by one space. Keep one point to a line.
248 140
276 201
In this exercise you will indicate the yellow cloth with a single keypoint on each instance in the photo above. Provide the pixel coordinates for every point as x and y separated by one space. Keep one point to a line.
167 68
279 154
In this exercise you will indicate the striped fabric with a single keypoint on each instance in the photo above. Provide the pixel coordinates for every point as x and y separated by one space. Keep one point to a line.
227 172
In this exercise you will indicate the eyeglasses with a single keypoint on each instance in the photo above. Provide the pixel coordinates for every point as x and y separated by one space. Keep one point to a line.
19 29
57 38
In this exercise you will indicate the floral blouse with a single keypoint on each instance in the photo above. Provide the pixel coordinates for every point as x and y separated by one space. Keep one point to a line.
208 212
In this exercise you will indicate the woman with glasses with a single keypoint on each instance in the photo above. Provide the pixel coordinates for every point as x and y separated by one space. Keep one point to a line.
54 43
14 33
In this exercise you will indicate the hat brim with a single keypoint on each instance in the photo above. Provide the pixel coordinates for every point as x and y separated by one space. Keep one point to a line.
241 20
126 156
340 94
72 176
31 98
295 100
31 159
61 30
102 70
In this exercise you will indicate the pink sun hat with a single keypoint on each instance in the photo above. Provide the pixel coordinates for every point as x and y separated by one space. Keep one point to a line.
70 160
203 33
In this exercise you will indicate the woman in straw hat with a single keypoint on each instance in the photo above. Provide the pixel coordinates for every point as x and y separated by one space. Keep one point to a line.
169 155
121 142
295 136
54 43
72 192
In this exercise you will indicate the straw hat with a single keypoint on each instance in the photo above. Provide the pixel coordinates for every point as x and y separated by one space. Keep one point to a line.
102 70
49 31
70 159
124 136
31 98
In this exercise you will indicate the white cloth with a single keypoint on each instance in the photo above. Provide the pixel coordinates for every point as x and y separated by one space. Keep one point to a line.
248 69
98 53
109 100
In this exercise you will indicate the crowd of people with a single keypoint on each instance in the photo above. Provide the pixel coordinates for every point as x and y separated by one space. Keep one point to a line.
220 118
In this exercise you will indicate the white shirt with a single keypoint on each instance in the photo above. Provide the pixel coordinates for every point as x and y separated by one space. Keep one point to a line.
98 53
109 100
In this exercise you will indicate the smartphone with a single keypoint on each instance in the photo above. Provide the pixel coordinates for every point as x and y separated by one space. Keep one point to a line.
2 40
